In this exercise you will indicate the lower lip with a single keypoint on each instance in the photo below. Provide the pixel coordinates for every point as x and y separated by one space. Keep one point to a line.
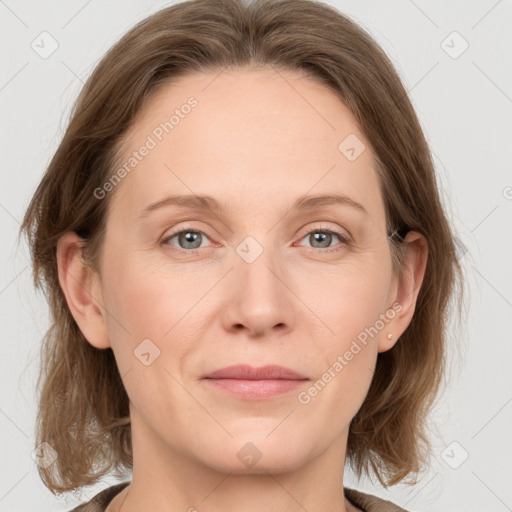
255 389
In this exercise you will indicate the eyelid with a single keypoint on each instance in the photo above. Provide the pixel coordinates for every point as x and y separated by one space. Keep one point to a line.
176 232
343 234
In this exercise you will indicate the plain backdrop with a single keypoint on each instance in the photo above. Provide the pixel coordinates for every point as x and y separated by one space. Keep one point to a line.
455 59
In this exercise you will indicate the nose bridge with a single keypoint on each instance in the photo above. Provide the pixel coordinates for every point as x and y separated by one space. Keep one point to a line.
259 298
258 263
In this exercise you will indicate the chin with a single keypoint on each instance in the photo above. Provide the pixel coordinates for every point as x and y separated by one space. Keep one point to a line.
257 454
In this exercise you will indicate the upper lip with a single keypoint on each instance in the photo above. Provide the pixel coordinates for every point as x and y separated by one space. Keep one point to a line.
248 372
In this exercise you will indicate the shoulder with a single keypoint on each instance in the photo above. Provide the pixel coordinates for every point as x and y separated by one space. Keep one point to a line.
101 500
370 503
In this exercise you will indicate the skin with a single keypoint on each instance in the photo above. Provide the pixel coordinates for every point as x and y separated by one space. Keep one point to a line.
257 139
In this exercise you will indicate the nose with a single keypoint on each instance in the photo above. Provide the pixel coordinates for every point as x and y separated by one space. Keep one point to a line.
258 296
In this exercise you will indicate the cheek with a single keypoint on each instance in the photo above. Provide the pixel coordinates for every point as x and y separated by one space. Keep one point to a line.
142 304
351 307
348 298
150 318
146 296
345 357
149 299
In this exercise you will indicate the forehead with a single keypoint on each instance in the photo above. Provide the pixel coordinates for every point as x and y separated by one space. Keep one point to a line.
257 135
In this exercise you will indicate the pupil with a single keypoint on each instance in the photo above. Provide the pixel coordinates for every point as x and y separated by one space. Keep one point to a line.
321 237
190 237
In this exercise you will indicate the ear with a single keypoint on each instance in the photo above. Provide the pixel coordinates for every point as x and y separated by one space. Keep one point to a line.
82 288
407 286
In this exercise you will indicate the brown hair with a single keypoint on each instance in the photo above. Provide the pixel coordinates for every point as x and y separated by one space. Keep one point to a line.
83 406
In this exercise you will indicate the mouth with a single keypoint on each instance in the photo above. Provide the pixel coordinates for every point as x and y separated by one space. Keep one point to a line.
246 382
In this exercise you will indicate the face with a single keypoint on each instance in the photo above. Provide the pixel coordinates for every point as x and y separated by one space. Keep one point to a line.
262 280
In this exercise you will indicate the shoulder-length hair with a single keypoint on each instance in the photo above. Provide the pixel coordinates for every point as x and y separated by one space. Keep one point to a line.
83 406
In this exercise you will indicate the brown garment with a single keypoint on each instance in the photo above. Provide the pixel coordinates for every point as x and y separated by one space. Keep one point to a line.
366 502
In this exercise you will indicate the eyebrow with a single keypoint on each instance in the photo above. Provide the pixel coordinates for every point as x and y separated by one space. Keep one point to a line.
208 203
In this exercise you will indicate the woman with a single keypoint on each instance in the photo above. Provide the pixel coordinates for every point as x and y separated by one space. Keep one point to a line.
248 267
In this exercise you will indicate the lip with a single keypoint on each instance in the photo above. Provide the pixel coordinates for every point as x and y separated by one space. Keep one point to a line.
246 382
248 372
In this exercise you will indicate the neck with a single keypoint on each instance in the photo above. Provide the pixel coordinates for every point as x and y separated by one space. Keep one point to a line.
167 476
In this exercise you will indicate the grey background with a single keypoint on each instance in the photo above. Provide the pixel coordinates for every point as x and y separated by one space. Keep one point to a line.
465 107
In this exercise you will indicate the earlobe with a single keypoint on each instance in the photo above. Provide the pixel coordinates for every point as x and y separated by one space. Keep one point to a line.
81 287
408 286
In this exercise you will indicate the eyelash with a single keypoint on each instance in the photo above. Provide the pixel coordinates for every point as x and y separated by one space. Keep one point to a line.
344 240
